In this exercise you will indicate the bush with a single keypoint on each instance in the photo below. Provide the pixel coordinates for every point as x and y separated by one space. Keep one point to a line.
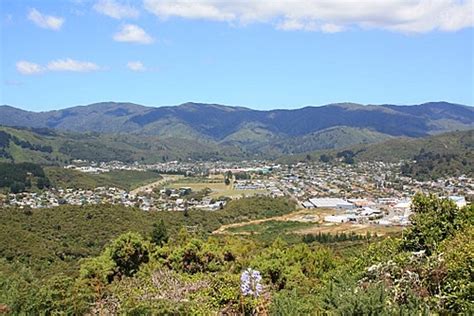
128 252
433 221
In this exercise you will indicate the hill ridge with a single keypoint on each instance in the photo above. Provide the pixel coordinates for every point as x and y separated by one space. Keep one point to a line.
245 126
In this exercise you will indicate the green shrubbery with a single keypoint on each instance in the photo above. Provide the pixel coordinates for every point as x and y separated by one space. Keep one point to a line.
428 270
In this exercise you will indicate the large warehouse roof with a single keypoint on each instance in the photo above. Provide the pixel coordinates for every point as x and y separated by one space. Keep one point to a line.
330 202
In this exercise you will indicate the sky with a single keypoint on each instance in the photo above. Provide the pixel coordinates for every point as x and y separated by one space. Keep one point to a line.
255 53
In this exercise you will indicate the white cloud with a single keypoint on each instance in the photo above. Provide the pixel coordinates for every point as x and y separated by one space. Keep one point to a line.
45 21
136 66
331 28
330 16
116 10
133 33
28 68
68 64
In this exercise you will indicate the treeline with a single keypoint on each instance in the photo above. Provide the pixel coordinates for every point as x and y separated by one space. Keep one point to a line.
22 176
431 166
346 156
27 145
95 151
4 142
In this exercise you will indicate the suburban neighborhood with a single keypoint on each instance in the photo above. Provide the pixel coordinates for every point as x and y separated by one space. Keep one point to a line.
373 193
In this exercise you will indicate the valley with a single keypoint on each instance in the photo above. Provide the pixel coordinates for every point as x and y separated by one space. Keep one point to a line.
236 158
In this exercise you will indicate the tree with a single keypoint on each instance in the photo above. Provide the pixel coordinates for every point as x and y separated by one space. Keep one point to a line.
159 235
17 187
325 158
434 220
349 160
227 177
43 183
128 252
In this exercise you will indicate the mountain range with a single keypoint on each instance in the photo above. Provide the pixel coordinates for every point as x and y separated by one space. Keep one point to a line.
273 132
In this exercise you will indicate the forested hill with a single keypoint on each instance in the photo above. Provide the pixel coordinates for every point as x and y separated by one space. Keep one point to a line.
275 130
51 147
448 154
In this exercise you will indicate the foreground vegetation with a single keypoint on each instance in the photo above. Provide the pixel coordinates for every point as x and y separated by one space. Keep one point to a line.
169 269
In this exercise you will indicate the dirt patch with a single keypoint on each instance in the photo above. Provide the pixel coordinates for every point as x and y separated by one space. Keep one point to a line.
359 229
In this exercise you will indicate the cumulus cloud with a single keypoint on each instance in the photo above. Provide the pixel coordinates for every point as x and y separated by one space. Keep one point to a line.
133 33
68 64
116 10
136 66
330 16
27 68
45 21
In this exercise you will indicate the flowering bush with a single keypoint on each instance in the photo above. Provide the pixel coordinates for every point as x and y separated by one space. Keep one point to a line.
250 283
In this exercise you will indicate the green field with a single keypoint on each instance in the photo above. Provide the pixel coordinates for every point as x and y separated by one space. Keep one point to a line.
217 185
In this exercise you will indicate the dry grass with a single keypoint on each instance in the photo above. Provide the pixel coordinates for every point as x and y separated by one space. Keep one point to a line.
359 229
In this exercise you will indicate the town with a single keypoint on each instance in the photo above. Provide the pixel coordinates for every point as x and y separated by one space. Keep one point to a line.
373 192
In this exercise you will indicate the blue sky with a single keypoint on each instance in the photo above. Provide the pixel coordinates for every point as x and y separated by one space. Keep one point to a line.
259 54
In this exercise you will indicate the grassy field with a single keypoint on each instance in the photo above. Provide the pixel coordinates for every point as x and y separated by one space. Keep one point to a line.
124 179
216 184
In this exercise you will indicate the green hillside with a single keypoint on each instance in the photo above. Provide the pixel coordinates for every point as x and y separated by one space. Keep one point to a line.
217 122
204 131
396 149
50 147
334 137
429 157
